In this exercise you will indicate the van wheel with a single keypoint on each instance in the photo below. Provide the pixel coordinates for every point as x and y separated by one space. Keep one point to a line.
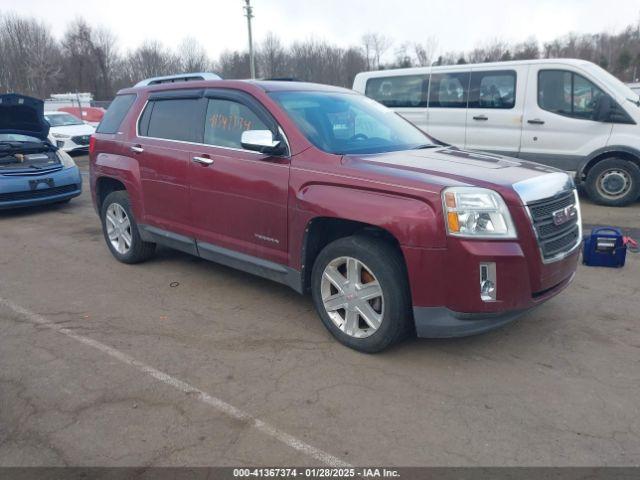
614 182
360 290
121 230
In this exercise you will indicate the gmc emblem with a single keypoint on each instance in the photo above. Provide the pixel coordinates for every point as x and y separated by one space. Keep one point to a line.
565 214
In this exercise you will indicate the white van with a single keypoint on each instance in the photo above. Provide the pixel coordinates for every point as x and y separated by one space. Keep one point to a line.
570 114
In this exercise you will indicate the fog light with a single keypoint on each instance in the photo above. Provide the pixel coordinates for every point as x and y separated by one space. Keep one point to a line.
488 283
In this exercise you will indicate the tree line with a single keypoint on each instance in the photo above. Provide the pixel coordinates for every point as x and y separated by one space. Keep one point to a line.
87 58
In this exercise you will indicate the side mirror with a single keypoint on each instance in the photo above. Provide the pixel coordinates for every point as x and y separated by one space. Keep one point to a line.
262 141
603 108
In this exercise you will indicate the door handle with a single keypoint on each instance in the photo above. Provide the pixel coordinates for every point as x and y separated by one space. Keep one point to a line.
203 161
535 121
137 149
481 117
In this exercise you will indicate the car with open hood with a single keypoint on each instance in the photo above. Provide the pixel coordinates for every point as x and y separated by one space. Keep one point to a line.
329 192
33 171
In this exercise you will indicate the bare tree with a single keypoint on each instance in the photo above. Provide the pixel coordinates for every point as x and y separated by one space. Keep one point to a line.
272 57
151 59
30 56
425 52
375 46
192 56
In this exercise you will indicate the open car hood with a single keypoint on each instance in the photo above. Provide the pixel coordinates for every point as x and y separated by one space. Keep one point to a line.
23 115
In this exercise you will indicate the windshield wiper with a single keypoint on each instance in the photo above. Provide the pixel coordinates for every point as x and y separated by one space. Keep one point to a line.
426 145
635 102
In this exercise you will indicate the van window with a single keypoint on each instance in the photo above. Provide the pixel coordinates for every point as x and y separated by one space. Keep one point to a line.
225 122
567 93
115 114
495 89
449 90
399 92
177 119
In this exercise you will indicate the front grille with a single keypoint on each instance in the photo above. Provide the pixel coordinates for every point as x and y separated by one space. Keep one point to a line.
81 139
40 193
554 240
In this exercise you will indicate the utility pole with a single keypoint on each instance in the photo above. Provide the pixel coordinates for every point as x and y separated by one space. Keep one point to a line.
249 14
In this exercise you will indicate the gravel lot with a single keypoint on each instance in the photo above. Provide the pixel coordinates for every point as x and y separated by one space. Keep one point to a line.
184 362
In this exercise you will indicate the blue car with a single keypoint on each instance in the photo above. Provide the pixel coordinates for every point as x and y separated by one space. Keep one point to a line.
32 170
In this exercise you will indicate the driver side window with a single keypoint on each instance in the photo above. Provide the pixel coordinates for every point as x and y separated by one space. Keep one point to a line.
567 93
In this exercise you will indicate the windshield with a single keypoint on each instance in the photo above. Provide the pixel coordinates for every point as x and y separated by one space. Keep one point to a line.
612 82
62 120
14 137
343 123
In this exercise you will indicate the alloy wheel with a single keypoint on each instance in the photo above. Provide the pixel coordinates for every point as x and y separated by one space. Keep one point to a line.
352 297
119 228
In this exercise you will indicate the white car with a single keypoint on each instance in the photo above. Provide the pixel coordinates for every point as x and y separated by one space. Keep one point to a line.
635 87
68 132
569 114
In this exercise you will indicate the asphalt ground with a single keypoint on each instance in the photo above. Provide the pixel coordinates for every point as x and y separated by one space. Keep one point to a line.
179 361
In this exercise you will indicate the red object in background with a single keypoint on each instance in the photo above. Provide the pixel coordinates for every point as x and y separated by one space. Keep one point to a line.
89 114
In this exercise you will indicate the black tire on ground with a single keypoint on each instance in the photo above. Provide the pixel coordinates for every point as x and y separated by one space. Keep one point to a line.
612 173
387 265
139 250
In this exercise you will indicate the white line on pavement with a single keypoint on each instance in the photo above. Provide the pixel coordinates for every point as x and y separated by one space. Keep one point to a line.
218 404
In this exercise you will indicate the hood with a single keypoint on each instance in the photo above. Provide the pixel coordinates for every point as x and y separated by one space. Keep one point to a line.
449 166
72 130
23 115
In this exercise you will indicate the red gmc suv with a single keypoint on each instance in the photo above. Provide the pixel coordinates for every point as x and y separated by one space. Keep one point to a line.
327 191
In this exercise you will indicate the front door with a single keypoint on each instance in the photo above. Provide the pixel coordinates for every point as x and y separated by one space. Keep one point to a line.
558 125
238 198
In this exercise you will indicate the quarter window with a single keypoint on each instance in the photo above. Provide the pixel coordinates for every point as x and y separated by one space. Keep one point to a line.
225 122
567 93
399 92
449 90
177 119
495 89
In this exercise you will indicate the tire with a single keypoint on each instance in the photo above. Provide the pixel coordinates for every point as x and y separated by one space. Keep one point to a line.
138 250
613 182
379 262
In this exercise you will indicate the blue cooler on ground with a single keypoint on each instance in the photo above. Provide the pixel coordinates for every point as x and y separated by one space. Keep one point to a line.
605 247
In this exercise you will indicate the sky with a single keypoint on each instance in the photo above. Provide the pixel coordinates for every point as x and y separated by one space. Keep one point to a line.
456 25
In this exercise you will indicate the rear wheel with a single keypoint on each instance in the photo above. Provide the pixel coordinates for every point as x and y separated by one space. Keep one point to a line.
613 182
121 230
360 291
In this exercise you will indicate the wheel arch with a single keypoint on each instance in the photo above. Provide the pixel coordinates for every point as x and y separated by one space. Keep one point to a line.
614 151
322 230
104 186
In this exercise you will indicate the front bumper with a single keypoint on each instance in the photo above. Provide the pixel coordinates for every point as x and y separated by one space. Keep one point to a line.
19 190
441 322
68 145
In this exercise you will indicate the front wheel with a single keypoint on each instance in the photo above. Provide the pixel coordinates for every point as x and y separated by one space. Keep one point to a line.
360 290
613 182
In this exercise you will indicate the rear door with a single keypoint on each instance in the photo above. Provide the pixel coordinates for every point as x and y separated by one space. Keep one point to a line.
558 126
405 94
238 197
447 111
494 114
169 123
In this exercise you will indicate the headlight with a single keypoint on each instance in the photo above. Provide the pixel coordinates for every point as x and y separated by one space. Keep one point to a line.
66 159
476 213
60 135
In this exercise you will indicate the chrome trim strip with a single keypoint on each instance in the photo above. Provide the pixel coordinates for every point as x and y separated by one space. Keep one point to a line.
543 187
206 144
562 255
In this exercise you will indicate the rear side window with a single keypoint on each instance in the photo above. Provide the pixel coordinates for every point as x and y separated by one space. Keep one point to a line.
449 90
495 89
178 119
115 114
567 93
399 92
225 122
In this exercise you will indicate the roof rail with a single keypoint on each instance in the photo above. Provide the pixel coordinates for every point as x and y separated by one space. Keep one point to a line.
181 77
